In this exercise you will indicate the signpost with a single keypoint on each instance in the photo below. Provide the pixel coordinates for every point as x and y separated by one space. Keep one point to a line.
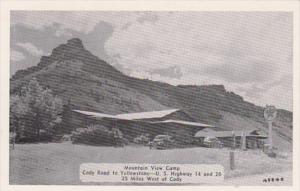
270 113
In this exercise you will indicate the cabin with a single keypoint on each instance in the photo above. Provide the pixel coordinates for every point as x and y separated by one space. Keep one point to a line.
254 139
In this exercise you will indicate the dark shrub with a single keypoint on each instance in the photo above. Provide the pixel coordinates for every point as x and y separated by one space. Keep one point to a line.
98 135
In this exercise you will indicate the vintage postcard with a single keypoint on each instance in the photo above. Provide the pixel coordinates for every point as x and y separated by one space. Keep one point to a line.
186 95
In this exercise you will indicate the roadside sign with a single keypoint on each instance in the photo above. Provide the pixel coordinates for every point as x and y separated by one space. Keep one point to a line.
270 113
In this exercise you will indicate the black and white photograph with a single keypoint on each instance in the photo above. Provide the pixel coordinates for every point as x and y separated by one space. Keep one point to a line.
151 98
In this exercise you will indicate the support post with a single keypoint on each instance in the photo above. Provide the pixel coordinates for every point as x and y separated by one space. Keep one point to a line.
233 141
244 141
14 137
231 159
270 136
13 147
231 153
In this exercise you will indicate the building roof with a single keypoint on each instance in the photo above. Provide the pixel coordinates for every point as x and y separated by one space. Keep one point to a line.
146 115
228 134
130 116
184 123
95 114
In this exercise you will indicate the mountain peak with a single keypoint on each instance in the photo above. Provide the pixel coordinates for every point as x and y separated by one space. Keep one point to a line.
72 49
75 43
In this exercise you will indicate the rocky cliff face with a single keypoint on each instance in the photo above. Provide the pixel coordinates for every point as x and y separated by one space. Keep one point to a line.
90 83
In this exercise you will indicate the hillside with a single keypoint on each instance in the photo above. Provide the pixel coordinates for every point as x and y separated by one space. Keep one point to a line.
75 75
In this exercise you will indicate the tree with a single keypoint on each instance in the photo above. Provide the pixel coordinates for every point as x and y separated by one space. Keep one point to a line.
40 110
66 118
18 112
33 99
50 109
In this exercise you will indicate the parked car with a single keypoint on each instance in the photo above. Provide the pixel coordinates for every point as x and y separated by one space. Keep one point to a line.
212 142
142 139
162 142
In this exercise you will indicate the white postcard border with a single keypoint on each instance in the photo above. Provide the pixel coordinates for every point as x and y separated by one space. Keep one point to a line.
7 6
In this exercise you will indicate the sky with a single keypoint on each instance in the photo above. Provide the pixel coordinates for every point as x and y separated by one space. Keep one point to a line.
250 53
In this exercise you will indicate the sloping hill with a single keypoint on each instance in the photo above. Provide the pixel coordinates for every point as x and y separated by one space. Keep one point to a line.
90 83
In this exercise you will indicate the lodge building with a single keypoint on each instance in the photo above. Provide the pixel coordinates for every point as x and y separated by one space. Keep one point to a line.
174 122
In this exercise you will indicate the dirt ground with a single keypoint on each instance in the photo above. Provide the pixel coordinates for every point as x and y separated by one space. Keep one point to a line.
58 163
